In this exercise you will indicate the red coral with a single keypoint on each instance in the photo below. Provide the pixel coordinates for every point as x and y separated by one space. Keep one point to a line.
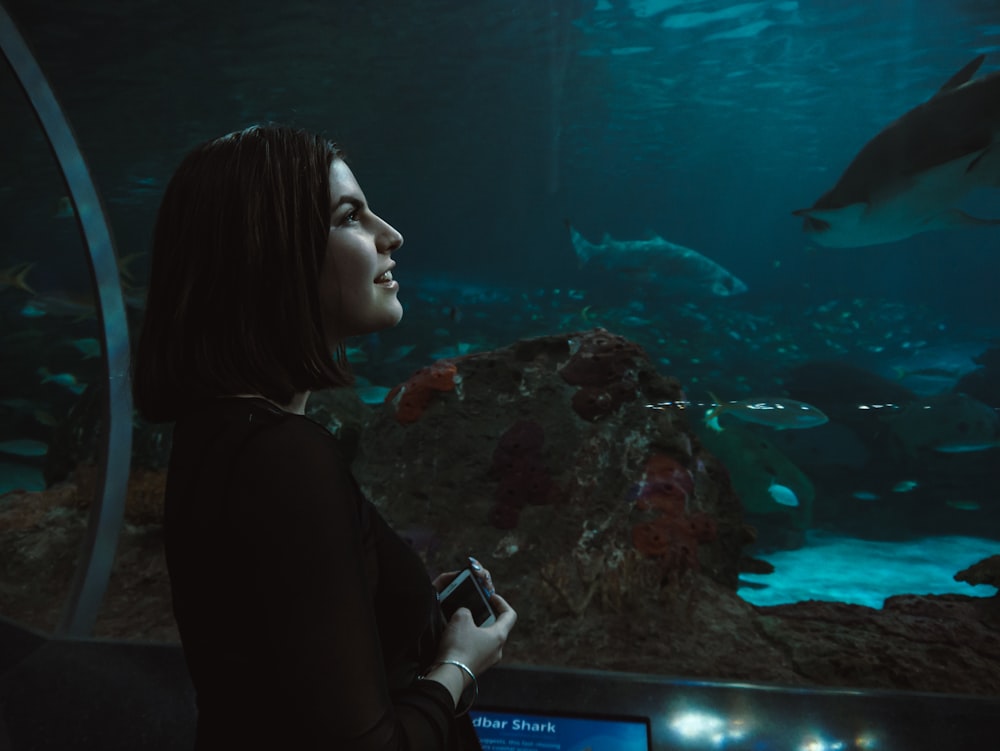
604 368
674 536
524 478
704 527
415 394
651 538
666 486
670 539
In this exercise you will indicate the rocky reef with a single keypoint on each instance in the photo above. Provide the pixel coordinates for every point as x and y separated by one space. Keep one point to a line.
565 459
568 465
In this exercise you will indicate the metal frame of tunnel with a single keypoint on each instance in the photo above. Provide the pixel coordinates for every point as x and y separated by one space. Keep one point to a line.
115 450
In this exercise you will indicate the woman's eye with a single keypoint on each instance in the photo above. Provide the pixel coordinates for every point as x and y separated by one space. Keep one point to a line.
349 218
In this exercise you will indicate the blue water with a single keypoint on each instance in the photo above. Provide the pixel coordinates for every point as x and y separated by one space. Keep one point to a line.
478 128
865 572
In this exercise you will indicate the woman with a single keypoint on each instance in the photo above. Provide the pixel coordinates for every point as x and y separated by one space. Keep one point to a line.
306 621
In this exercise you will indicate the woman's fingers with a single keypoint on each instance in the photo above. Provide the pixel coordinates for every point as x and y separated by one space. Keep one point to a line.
483 575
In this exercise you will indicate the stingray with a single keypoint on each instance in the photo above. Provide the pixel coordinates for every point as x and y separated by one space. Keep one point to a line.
909 177
657 261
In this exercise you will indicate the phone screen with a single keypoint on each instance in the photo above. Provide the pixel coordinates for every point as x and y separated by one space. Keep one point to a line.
464 592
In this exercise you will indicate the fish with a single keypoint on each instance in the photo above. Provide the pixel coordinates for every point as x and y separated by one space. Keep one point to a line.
66 380
756 467
16 404
945 423
905 486
865 495
780 414
908 178
933 369
86 346
13 276
44 417
24 447
657 260
70 304
964 505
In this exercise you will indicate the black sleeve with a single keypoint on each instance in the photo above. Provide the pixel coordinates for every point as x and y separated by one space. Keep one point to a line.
300 516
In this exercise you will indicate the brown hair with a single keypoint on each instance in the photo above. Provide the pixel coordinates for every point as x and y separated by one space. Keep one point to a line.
233 304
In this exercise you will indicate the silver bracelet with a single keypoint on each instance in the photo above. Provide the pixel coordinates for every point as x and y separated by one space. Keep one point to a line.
465 669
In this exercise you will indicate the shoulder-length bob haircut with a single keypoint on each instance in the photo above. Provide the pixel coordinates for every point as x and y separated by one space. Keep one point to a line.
233 302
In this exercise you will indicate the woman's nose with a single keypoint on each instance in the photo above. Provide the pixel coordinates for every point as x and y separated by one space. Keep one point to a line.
391 239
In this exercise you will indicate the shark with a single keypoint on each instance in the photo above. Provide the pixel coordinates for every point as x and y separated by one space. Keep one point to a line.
659 261
909 178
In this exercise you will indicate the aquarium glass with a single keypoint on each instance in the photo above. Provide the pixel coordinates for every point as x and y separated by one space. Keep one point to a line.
556 166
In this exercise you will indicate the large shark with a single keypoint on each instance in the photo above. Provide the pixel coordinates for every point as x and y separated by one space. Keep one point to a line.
659 261
909 177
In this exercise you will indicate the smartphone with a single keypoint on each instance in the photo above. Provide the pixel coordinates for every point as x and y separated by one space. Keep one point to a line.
465 591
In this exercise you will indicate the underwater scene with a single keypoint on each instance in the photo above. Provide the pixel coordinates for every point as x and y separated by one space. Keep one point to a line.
740 258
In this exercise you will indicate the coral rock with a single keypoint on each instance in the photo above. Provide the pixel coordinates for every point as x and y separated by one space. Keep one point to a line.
987 571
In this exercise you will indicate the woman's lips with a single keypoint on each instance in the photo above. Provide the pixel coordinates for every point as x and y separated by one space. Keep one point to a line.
386 280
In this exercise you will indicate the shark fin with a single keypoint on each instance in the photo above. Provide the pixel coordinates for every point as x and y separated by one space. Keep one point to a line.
963 76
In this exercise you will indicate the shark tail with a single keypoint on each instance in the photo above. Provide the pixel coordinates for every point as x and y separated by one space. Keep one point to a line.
712 416
584 250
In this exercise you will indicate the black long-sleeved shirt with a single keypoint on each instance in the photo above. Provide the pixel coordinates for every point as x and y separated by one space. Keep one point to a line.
304 618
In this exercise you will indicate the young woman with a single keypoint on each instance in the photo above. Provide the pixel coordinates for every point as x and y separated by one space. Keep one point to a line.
306 622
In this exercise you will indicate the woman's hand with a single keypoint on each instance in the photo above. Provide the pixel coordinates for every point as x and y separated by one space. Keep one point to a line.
479 647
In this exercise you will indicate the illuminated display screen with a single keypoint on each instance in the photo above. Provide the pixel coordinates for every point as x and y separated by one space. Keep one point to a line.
534 732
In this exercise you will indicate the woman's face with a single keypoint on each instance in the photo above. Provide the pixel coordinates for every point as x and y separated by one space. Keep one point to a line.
356 288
